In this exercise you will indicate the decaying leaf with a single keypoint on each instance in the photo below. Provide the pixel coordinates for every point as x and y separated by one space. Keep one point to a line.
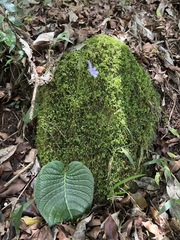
152 228
31 220
111 229
26 48
3 135
80 229
139 200
7 152
138 24
43 38
72 16
174 166
147 183
173 187
13 189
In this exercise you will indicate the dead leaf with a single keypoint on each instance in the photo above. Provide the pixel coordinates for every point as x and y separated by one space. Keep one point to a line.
44 38
6 167
174 166
31 220
139 200
80 229
165 55
7 152
138 24
2 94
31 156
152 228
172 187
72 16
147 183
126 229
45 233
13 189
94 232
61 236
3 135
26 48
161 8
175 225
67 228
110 229
23 147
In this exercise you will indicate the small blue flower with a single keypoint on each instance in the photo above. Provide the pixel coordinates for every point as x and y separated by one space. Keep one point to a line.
93 71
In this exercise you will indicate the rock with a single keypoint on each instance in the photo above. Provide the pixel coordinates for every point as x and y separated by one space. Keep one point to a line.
102 109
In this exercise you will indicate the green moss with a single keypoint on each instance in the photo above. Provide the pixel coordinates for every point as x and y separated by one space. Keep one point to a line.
88 119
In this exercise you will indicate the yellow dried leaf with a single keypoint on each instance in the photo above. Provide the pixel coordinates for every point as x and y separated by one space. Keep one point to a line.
31 220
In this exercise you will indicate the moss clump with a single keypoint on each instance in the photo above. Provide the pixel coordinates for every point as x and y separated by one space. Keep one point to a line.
93 120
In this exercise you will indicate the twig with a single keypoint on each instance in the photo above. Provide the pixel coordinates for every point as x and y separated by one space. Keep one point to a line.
172 110
22 170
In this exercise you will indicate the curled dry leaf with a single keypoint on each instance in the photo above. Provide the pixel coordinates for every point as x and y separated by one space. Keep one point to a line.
26 48
152 228
80 229
31 220
111 229
72 16
7 152
2 94
147 183
139 200
174 166
126 229
44 38
173 187
13 189
93 234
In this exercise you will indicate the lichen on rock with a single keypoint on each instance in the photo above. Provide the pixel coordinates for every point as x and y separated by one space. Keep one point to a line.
94 119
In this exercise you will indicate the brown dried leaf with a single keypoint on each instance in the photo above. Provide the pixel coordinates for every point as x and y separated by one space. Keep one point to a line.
148 47
7 152
152 228
80 229
93 234
13 189
111 229
61 235
173 187
72 16
67 228
3 135
139 200
31 156
174 166
43 38
126 229
23 147
2 94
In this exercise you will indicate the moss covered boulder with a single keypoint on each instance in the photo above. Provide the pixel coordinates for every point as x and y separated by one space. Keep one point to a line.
104 117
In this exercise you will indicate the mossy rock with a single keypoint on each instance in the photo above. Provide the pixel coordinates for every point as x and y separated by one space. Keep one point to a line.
104 122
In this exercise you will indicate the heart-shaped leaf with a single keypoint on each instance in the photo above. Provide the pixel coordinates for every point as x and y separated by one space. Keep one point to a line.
63 193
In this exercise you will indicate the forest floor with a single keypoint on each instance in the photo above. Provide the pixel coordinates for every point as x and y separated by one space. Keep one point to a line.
151 29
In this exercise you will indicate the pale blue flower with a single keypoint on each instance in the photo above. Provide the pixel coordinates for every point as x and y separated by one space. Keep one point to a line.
93 71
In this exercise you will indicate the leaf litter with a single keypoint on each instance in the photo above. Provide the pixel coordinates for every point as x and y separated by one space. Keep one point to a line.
151 31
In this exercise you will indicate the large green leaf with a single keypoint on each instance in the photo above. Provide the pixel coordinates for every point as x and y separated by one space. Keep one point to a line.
63 193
